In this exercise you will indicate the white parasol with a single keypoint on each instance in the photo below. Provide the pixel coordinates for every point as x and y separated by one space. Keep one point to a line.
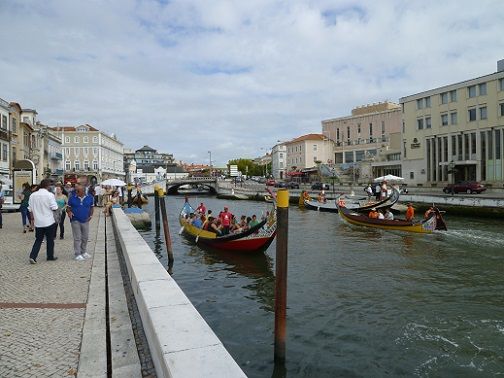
388 178
113 182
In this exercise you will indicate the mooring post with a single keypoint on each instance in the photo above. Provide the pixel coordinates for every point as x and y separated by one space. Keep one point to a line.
166 229
130 189
281 273
156 207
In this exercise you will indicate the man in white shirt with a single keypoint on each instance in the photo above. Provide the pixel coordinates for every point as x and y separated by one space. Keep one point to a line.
41 205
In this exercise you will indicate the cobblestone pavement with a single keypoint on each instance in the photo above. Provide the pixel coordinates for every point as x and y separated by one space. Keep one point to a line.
42 306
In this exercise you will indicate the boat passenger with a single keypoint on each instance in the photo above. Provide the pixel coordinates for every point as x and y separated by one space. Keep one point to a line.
321 197
384 190
389 215
369 192
215 226
225 218
380 215
254 221
243 223
306 196
373 214
196 222
410 212
201 208
377 191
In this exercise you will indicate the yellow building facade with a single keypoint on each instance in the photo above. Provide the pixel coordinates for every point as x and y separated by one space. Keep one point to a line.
455 133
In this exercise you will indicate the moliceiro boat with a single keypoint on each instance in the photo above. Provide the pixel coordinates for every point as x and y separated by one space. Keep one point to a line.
434 222
254 239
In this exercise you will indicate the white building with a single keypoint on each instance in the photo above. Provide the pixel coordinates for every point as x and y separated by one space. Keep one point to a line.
279 161
89 151
4 138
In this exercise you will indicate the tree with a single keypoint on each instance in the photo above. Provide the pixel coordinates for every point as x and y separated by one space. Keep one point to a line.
248 165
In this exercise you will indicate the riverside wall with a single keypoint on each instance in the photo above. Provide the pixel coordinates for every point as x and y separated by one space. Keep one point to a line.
182 344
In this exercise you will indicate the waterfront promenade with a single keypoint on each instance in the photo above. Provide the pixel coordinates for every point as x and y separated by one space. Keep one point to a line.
42 306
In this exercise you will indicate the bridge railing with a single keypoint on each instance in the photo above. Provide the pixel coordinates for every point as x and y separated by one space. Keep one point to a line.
192 179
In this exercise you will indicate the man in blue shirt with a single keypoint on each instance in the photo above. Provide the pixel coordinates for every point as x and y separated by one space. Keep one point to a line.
80 210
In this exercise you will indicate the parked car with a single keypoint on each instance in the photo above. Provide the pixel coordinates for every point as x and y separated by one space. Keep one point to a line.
292 185
320 186
9 204
270 182
465 187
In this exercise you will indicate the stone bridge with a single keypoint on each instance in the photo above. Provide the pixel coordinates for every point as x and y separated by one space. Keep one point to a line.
198 183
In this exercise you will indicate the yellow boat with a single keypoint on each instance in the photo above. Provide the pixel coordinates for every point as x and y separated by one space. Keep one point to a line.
435 222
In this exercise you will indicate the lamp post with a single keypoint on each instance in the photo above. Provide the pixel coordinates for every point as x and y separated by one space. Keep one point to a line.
210 158
451 171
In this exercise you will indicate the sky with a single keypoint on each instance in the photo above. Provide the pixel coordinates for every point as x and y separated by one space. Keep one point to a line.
233 77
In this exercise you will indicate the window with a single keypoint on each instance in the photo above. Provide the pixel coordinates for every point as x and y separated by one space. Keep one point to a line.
67 151
502 109
427 102
68 166
337 134
483 112
403 127
86 165
26 119
76 139
419 103
95 165
482 89
358 128
444 119
383 127
497 144
314 147
95 151
420 124
370 129
86 151
453 96
471 91
412 175
348 132
428 123
67 139
85 139
77 165
453 118
349 157
4 122
95 139
444 98
472 115
5 152
14 125
501 84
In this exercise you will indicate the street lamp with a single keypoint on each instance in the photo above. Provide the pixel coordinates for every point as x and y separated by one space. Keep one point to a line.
451 171
210 158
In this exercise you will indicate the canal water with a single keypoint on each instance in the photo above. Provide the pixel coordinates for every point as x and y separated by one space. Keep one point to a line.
361 302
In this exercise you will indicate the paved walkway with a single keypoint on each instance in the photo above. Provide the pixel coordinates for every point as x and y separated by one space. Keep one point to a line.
42 306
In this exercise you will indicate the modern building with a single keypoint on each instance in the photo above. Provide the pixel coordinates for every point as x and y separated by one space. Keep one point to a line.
89 151
147 164
309 150
279 161
370 136
5 138
455 132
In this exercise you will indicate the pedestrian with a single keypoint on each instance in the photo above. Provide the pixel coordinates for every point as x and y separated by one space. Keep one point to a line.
369 192
61 200
41 205
80 210
23 207
377 191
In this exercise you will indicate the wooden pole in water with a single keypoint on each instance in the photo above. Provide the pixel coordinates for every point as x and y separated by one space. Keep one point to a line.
166 229
281 273
156 207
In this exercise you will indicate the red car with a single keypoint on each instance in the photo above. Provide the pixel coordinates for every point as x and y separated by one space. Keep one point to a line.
270 182
464 187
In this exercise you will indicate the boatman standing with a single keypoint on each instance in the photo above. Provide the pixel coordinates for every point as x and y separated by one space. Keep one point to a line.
410 212
225 218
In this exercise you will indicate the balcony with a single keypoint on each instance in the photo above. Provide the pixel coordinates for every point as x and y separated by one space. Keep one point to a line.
55 156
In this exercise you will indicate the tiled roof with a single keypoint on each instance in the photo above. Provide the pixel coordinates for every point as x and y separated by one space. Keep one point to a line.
73 128
308 137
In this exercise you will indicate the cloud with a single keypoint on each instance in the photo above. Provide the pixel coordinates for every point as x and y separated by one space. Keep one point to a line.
188 76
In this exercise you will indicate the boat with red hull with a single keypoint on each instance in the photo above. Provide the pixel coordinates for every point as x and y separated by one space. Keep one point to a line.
255 239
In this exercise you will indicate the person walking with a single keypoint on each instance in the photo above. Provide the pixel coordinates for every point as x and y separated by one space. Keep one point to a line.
41 205
23 207
80 210
62 201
